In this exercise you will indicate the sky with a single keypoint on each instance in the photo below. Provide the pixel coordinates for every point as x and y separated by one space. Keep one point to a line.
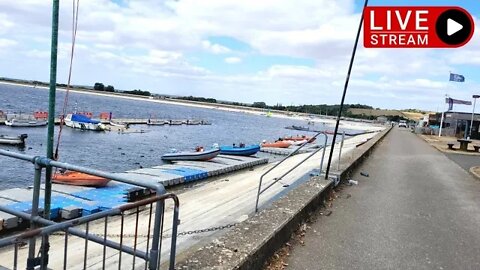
276 51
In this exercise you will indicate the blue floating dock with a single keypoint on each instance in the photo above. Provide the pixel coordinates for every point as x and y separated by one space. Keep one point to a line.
192 171
73 201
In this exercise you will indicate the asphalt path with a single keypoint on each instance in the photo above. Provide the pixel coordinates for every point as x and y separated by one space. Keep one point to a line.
417 210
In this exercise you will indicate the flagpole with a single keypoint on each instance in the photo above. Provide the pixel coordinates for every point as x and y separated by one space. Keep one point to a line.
443 111
441 121
473 113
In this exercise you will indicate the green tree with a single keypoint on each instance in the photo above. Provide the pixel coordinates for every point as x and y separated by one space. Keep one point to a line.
99 86
110 88
259 104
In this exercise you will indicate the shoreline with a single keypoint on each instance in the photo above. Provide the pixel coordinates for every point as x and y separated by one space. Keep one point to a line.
222 107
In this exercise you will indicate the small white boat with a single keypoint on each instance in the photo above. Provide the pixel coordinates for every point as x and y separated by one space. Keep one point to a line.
155 122
120 125
25 123
177 122
13 140
82 122
296 143
198 155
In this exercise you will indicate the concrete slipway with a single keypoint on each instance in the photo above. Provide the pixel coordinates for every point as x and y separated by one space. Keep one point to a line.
228 199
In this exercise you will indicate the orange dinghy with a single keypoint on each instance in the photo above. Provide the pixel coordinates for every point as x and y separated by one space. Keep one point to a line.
79 179
277 144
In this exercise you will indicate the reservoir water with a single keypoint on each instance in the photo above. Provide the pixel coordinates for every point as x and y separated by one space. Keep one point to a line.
115 152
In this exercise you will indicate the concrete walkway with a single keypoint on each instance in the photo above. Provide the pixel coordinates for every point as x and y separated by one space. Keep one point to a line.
417 210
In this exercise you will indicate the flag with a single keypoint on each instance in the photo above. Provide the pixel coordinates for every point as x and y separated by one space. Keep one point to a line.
456 77
452 101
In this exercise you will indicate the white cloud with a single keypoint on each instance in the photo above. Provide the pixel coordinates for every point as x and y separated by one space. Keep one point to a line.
38 54
233 60
6 43
215 48
144 44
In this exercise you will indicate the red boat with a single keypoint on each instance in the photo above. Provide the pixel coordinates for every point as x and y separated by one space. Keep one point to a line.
79 179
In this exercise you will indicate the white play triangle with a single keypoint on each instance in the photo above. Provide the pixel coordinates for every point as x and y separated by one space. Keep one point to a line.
453 27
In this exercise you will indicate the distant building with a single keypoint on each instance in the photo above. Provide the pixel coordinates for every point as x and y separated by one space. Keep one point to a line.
382 119
457 123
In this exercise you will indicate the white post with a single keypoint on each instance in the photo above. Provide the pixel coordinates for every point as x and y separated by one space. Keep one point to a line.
441 124
473 113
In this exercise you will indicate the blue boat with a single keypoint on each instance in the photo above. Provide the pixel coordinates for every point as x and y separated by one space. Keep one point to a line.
240 151
83 122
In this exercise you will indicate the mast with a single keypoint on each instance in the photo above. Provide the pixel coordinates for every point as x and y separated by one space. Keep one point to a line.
51 106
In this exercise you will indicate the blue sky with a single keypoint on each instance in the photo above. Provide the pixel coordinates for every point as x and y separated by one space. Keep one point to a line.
274 51
251 61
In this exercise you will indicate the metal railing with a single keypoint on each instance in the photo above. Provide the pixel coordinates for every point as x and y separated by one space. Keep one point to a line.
340 151
260 190
152 252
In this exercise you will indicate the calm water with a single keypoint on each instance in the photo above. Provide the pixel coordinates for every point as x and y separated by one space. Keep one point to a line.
115 152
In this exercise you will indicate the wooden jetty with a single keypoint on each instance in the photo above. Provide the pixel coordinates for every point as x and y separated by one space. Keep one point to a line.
73 201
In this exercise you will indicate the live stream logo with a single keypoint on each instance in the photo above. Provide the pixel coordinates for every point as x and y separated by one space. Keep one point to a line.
417 27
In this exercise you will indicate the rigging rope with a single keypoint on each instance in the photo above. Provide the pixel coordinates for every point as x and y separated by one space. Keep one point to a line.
72 52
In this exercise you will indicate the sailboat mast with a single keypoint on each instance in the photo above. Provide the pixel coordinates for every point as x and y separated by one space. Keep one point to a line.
51 105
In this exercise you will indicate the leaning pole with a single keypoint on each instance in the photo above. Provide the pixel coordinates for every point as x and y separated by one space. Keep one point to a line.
339 116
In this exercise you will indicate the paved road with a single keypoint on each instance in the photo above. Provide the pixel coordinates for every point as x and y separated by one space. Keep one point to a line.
417 210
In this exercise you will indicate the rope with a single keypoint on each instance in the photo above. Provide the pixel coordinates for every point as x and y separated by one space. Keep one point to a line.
65 101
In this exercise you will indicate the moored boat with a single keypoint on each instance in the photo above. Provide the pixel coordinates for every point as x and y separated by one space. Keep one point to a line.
192 156
293 127
155 122
277 144
240 150
79 179
120 125
296 143
82 122
177 122
25 123
300 138
13 140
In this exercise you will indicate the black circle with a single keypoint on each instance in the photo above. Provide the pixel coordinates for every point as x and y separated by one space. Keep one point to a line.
458 16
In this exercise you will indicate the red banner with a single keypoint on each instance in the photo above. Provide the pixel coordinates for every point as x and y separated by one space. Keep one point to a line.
417 27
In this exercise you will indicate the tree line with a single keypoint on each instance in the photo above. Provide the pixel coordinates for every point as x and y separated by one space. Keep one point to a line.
98 86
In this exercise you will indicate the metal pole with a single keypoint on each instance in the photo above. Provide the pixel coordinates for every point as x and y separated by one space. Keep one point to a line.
443 116
51 123
51 105
473 113
345 90
340 151
173 244
35 202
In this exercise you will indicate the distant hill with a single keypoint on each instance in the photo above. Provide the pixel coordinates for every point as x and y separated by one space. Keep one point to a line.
407 114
